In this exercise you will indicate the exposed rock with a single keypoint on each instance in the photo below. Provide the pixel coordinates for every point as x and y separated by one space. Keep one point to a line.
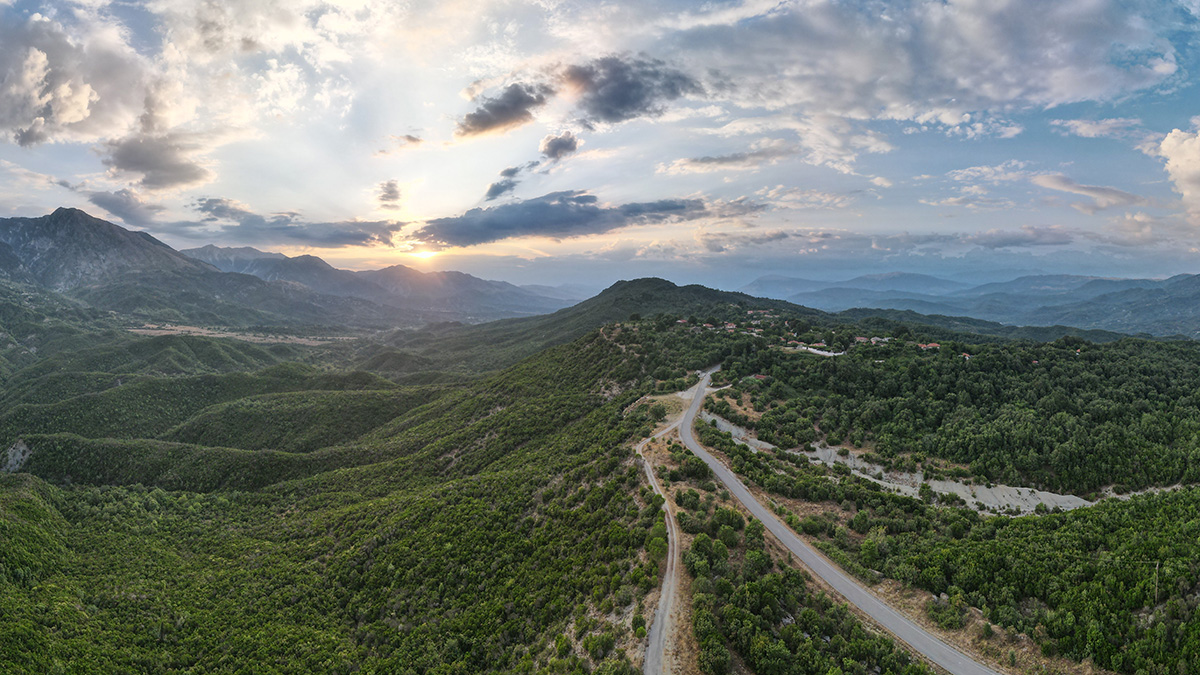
15 457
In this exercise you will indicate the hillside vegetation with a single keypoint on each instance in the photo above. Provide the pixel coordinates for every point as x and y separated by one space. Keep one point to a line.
1067 416
210 505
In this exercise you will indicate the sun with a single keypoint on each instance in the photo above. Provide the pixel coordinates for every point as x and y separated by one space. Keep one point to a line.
423 255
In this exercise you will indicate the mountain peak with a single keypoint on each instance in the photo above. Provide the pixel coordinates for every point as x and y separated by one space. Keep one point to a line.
70 248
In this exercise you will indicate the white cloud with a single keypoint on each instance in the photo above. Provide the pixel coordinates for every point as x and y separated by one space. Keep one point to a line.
824 139
799 198
1102 197
1009 171
60 84
970 201
1181 150
1116 127
954 64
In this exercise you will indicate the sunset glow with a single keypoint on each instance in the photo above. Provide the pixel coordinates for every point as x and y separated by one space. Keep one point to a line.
709 143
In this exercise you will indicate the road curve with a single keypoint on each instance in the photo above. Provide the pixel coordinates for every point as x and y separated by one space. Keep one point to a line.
917 638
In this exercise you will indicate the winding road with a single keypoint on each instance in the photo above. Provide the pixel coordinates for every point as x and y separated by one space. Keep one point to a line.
917 638
661 628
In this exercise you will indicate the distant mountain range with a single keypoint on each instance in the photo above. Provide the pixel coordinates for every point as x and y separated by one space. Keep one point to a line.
395 286
1158 307
111 268
106 267
780 287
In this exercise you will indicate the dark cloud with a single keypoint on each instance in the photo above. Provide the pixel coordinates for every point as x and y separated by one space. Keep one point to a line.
723 241
165 161
512 108
237 223
1028 235
128 206
617 88
765 153
508 180
389 194
399 143
500 188
751 157
555 148
558 214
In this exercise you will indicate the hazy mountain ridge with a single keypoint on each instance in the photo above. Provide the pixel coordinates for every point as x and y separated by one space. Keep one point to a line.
136 275
396 286
1158 307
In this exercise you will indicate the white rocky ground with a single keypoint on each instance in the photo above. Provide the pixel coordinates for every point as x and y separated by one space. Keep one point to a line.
996 497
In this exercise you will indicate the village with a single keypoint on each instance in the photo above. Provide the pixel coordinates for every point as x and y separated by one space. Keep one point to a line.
796 335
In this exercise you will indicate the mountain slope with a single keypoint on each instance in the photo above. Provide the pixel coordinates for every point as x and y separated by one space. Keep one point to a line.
135 275
1169 307
499 343
308 270
230 259
69 248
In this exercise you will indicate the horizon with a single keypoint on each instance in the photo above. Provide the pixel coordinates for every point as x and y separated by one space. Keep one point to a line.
558 143
969 280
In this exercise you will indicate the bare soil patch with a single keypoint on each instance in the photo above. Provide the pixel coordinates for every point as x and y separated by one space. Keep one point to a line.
170 329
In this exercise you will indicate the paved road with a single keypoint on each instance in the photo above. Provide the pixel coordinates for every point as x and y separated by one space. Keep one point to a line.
893 621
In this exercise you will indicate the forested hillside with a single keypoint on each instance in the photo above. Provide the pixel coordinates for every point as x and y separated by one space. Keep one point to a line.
1068 415
212 505
1082 584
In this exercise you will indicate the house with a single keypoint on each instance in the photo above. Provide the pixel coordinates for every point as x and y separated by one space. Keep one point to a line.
861 339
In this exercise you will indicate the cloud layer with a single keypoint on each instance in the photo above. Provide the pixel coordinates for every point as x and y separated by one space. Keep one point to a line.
557 215
1027 125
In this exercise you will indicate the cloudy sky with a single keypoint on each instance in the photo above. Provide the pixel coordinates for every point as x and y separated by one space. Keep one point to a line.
549 141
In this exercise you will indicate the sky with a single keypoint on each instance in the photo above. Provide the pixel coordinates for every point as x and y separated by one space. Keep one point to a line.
559 142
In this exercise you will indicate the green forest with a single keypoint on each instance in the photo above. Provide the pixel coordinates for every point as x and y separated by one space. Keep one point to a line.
377 505
1081 583
1068 415
748 602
